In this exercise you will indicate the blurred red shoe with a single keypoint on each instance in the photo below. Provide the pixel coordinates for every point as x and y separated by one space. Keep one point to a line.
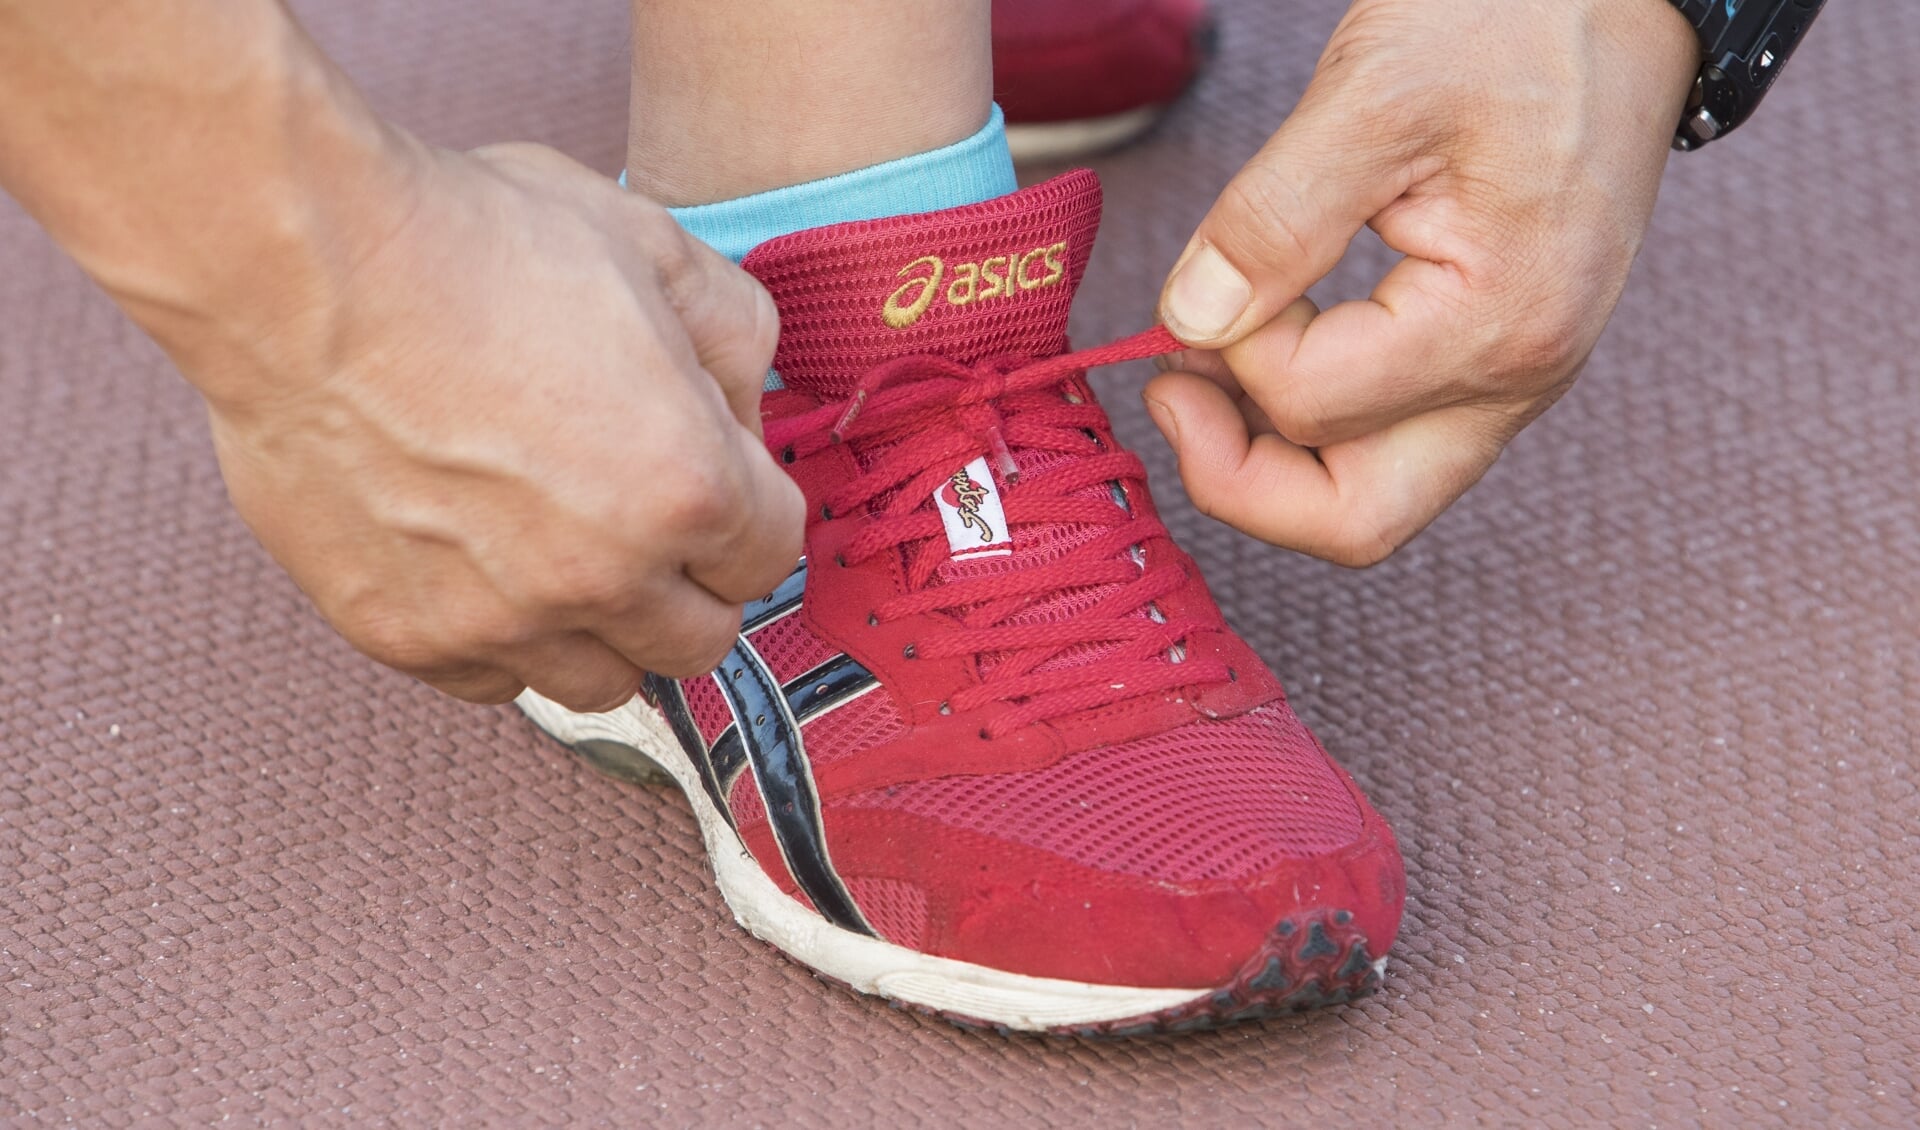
1079 76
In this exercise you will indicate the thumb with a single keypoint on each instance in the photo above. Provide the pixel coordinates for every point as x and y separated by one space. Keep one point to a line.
729 318
1283 222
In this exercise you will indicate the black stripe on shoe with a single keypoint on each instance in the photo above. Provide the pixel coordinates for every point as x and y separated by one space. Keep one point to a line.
771 736
666 695
827 687
822 690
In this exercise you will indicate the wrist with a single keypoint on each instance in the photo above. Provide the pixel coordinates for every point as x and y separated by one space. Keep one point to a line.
314 184
1658 47
1659 33
205 165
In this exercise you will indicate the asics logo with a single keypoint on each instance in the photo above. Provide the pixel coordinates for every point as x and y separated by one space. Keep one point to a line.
1001 276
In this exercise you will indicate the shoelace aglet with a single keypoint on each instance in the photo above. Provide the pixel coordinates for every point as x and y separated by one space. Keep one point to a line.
1004 466
839 433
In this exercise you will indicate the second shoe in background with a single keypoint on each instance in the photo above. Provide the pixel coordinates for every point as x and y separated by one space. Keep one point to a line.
1079 76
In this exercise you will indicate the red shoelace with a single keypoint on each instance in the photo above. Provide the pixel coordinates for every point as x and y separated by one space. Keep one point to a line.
926 416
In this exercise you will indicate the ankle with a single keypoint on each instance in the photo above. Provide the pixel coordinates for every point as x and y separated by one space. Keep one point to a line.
809 91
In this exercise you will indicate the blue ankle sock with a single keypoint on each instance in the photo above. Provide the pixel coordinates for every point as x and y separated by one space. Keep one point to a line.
966 172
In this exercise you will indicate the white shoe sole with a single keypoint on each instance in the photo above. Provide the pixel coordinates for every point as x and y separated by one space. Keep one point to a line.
1064 141
956 989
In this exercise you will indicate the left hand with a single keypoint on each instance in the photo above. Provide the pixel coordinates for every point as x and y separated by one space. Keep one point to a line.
1511 150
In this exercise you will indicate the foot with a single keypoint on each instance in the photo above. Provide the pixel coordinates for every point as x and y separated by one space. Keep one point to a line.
1079 76
991 752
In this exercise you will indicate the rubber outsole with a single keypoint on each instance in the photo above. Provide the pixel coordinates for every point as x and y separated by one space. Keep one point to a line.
1317 958
1066 141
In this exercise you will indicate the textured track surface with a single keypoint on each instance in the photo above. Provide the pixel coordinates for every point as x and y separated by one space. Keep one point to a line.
1643 710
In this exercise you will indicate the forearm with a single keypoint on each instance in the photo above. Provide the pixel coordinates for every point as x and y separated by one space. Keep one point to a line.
200 159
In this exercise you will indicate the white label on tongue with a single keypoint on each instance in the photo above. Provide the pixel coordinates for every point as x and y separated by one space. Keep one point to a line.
969 504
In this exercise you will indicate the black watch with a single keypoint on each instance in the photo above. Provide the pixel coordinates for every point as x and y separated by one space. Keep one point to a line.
1743 45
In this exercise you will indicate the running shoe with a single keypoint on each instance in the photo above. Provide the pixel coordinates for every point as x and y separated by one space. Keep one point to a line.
1079 76
990 751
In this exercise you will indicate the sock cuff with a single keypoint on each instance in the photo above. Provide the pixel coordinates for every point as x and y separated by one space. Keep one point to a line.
970 170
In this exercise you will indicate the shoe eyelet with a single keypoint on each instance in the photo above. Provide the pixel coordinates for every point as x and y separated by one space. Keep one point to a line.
984 736
826 513
840 559
873 619
786 454
823 689
946 708
909 652
1232 675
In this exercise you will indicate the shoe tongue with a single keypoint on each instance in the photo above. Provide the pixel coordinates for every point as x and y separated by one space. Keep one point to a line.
968 283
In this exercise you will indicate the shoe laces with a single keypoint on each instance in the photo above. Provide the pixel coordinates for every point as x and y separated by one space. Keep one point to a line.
915 419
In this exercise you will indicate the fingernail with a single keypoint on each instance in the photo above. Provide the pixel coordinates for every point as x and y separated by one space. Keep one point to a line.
1207 295
1163 419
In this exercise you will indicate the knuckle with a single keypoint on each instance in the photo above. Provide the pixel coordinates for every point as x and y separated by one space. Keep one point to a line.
575 581
509 151
1545 348
1543 321
1301 415
1200 493
764 335
702 497
1365 543
1271 215
394 643
677 260
598 696
526 161
482 690
1303 426
1210 493
697 650
785 528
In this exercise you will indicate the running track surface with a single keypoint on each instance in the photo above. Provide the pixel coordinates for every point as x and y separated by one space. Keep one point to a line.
1643 709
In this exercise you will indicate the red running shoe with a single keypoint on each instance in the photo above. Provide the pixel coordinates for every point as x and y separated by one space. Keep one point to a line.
990 751
1079 76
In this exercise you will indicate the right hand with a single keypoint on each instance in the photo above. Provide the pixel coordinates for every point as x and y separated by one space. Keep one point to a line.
515 441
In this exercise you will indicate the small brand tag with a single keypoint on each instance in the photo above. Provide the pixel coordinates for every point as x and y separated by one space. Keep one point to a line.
969 504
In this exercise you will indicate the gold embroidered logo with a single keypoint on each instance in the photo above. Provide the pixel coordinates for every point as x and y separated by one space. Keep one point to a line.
965 496
998 277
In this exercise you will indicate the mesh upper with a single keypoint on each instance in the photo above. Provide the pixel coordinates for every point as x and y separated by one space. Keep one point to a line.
896 909
867 721
708 708
1222 799
790 649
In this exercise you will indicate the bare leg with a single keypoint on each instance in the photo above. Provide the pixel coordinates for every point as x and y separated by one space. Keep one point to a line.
732 97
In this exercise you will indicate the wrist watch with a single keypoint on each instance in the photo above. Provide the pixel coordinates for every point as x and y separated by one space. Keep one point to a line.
1743 46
